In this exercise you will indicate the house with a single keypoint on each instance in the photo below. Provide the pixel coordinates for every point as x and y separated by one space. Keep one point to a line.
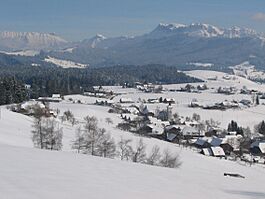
245 102
27 86
126 100
190 132
202 143
214 141
258 147
104 102
231 142
205 142
28 106
153 101
213 78
169 100
175 129
173 133
207 152
218 151
157 131
56 96
213 151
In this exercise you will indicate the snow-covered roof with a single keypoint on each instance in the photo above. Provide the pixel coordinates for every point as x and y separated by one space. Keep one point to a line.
215 141
128 115
201 141
180 127
188 130
27 104
56 96
126 100
218 151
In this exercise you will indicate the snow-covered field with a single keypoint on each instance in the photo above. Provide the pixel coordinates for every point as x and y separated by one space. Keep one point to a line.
64 63
245 117
27 173
30 173
22 53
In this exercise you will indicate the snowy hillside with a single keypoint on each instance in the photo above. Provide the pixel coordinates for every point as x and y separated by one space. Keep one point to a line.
30 173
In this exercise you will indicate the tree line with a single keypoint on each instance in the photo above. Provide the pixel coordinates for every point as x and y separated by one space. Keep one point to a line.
48 79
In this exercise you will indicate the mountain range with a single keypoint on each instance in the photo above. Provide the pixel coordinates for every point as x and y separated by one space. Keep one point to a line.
194 45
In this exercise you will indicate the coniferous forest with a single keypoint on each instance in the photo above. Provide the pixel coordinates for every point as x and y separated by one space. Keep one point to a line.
47 80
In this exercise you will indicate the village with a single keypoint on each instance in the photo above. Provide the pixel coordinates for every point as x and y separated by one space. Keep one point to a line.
154 114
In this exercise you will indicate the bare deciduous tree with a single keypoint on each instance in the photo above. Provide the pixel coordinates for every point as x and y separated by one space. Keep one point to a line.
139 155
91 134
169 160
154 156
47 134
125 149
78 143
106 146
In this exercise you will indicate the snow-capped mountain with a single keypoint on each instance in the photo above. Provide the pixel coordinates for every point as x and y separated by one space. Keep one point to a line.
10 41
173 44
203 30
94 40
168 44
195 29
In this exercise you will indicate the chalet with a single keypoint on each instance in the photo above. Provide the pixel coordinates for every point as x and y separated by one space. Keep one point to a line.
231 143
245 102
104 102
190 132
28 107
214 141
213 151
213 78
201 143
27 86
205 142
153 101
227 90
126 100
49 99
175 129
157 131
202 87
258 147
169 101
192 123
218 151
56 96
172 133
213 131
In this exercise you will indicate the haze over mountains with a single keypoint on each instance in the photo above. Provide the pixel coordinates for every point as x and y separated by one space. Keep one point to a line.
170 44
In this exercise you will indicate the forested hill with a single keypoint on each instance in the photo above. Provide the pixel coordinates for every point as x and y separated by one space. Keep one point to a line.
49 79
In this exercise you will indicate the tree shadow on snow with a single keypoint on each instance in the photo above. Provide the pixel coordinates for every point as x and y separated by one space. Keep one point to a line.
250 194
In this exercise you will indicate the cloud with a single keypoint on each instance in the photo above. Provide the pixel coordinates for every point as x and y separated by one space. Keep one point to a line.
259 16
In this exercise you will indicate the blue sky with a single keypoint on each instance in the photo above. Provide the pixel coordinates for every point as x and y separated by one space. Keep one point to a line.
79 19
